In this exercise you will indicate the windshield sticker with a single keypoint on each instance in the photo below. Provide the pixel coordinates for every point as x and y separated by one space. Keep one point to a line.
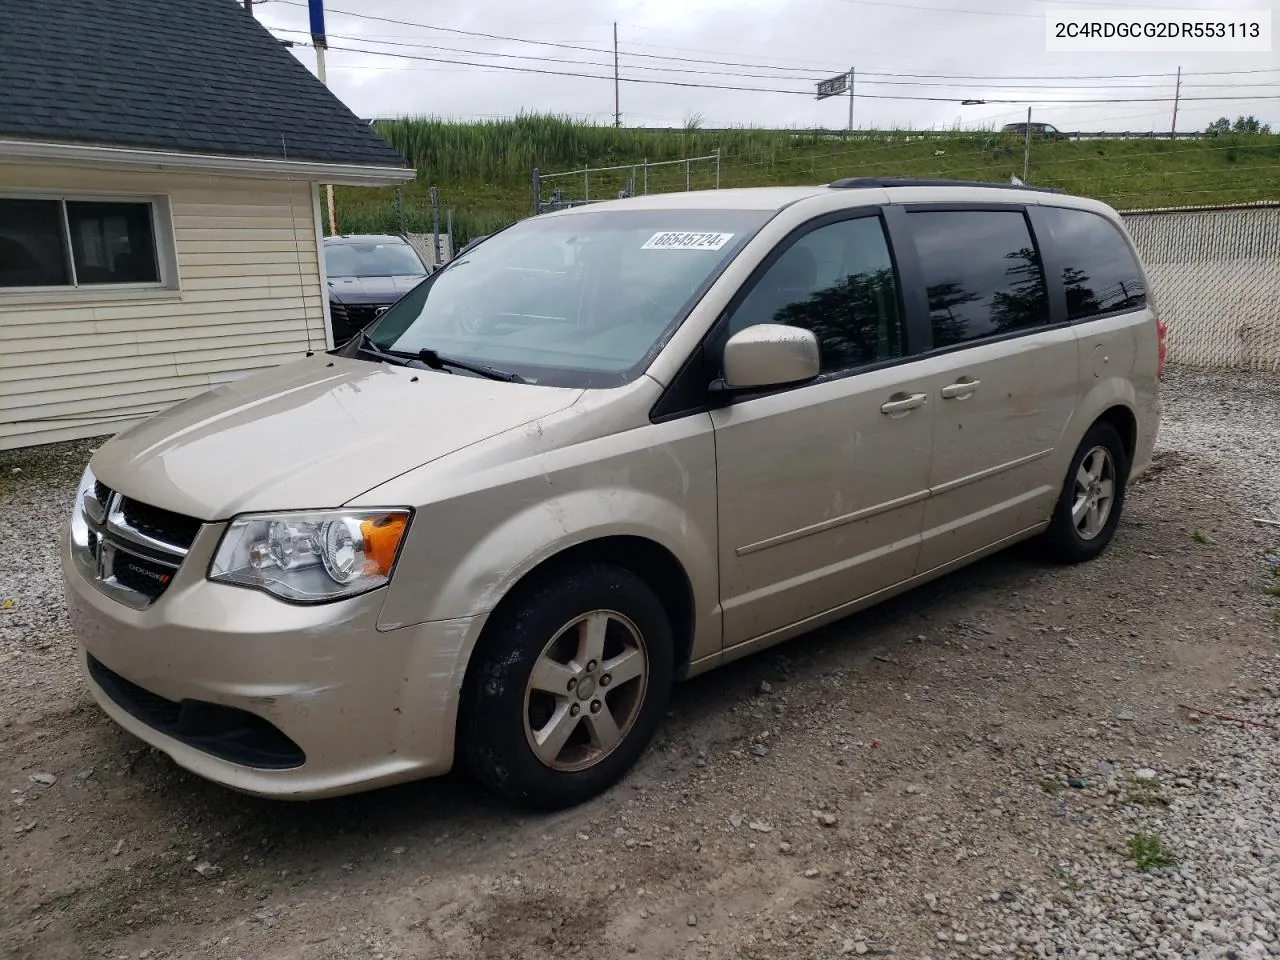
687 241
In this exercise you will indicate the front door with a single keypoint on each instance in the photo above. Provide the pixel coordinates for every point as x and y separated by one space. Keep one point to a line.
822 486
1005 384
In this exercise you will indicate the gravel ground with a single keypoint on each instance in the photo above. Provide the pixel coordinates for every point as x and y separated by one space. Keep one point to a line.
998 764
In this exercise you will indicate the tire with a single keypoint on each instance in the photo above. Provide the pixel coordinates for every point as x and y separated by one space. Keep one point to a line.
1075 539
510 716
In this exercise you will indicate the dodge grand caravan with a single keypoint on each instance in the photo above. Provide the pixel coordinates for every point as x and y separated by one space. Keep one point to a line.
608 448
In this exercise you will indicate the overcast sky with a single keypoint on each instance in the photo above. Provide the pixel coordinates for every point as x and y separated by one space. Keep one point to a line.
973 38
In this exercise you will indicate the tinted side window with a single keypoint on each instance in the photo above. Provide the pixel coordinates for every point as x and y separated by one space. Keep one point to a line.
837 281
982 273
1099 272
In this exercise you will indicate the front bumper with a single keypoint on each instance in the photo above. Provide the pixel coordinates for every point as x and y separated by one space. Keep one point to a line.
364 707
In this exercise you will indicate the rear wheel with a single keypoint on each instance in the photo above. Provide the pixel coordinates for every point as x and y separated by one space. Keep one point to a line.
568 686
1088 509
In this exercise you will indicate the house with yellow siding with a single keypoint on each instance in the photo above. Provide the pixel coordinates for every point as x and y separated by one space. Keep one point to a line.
161 167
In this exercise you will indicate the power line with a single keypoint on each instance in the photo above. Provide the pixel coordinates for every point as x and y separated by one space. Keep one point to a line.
750 65
789 92
750 76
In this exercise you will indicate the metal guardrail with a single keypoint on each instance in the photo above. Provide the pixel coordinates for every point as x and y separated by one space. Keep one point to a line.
629 188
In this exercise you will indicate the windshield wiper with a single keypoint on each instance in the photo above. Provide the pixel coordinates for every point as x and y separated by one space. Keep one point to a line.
436 361
366 345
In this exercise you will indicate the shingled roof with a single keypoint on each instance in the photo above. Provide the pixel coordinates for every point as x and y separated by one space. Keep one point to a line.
192 76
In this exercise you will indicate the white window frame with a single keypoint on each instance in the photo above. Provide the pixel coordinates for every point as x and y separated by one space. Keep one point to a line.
162 236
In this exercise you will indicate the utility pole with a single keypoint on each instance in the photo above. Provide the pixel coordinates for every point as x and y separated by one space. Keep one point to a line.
851 99
315 9
1026 149
617 109
1177 92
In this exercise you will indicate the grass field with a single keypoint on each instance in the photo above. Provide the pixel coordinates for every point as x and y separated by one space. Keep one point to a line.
483 170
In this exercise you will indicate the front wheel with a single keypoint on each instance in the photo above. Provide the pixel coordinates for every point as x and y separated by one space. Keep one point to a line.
568 686
1088 509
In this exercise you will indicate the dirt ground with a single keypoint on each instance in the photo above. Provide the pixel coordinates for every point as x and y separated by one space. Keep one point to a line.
894 785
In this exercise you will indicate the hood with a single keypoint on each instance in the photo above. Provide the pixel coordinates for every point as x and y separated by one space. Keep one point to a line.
310 435
371 289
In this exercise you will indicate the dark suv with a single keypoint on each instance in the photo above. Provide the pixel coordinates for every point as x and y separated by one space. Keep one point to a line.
367 274
1045 130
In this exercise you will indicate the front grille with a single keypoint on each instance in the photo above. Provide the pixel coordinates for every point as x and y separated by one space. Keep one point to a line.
152 709
227 733
127 549
142 575
363 314
160 524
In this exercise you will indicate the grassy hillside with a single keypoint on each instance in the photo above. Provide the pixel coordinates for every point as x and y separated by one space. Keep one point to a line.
483 170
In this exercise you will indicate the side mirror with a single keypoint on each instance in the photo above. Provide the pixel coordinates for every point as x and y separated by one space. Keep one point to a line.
770 355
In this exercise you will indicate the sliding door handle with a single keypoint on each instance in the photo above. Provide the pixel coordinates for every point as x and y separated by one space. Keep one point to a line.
960 389
902 402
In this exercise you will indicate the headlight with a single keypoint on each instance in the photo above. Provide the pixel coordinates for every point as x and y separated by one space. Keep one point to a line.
80 529
311 557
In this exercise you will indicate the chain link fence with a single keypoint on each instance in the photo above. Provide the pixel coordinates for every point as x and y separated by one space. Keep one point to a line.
1216 276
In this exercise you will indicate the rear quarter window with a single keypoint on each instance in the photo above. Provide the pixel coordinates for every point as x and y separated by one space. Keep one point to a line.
1099 272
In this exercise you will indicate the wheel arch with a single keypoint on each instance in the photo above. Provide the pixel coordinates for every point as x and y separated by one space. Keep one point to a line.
648 559
1125 422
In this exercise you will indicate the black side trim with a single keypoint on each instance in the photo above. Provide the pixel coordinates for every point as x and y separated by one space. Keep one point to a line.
227 733
1050 262
687 392
915 298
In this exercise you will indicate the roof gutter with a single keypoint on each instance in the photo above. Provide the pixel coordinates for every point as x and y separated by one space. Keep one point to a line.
129 158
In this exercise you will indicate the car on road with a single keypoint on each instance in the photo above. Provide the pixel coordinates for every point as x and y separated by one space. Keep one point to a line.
613 447
1044 130
366 275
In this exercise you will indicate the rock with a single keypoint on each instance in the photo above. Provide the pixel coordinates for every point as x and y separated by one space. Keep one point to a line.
913 789
759 749
116 850
759 827
207 869
1077 783
811 872
931 900
765 687
1126 715
961 938
693 920
784 848
25 828
1145 773
396 851
44 779
1105 769
825 817
860 948
735 820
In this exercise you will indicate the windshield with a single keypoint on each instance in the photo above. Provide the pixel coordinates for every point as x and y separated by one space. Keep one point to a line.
582 300
372 259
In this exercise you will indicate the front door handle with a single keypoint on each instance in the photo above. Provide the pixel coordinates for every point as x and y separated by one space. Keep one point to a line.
960 389
902 402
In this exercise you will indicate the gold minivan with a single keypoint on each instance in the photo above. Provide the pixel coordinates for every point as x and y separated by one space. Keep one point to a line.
606 449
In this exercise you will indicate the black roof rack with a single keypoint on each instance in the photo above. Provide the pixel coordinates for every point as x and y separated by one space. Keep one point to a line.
853 183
